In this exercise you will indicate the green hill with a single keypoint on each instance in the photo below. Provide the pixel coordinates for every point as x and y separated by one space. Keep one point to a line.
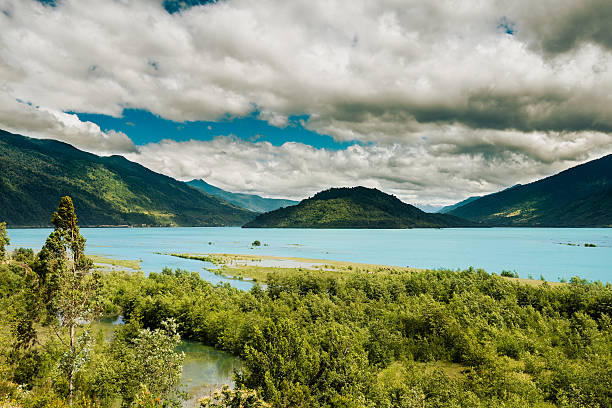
249 201
35 173
578 197
356 207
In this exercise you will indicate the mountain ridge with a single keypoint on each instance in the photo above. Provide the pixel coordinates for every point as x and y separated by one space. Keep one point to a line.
249 201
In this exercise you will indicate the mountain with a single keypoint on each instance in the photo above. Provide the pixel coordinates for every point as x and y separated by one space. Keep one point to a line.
357 207
35 173
249 201
428 208
578 197
449 208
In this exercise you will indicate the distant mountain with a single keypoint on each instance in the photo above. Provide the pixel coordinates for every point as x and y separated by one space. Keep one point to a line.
428 208
357 207
449 208
578 197
249 201
35 173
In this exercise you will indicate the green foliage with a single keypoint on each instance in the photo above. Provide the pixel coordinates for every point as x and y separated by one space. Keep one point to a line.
106 190
4 240
356 207
48 356
138 366
255 243
432 338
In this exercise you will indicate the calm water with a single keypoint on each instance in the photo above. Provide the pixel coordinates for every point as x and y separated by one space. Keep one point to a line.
205 368
528 251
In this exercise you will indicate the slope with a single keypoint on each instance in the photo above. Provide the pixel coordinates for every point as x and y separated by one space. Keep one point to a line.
35 173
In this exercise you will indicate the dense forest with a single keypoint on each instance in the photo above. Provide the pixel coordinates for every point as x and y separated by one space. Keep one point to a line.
356 207
393 338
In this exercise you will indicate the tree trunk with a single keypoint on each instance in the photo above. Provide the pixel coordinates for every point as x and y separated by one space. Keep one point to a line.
71 372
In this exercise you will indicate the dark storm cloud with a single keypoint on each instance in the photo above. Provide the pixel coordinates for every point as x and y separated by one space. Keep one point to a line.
564 29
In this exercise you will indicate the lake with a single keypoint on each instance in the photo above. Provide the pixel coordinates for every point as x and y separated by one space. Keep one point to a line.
528 251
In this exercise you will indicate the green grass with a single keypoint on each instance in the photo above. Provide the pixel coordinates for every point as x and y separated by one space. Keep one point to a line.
121 263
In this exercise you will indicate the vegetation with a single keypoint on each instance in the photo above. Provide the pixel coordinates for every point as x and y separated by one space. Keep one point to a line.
4 240
391 337
35 173
577 197
249 201
68 287
104 262
429 338
49 356
357 207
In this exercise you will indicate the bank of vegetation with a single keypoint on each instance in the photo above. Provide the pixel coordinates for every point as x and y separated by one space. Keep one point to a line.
397 338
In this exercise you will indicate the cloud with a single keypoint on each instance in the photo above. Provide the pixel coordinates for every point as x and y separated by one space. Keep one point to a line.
477 94
339 61
24 118
439 170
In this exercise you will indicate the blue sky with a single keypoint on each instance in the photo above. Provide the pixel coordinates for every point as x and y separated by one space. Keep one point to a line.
144 127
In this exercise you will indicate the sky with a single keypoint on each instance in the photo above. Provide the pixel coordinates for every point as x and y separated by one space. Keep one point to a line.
430 101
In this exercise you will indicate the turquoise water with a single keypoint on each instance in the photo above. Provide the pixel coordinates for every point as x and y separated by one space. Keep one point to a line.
528 251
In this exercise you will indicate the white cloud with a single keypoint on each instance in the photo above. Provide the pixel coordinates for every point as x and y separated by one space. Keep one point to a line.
438 91
34 121
426 173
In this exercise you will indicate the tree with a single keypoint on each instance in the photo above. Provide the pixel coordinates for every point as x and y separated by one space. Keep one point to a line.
69 289
4 240
141 365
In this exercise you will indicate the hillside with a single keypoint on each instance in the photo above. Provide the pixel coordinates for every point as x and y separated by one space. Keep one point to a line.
447 209
249 201
356 207
35 173
578 197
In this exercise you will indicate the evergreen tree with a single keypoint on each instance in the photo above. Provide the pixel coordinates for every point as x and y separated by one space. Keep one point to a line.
69 289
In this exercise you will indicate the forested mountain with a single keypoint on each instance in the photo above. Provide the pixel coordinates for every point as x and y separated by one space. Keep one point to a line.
35 173
578 197
249 201
357 207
